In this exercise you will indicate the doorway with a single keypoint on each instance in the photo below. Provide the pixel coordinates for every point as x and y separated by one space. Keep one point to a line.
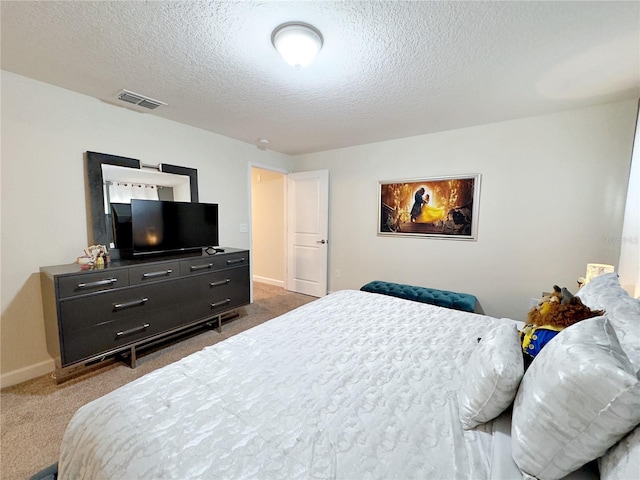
289 229
268 225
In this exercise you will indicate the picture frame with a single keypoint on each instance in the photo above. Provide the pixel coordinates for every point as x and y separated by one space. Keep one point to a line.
430 207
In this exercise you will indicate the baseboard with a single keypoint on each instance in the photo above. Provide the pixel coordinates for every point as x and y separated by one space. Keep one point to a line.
27 373
268 281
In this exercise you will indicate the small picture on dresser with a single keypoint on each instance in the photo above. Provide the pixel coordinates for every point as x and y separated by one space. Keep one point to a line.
436 207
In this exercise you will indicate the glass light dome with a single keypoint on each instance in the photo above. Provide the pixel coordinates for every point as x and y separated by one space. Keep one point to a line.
297 42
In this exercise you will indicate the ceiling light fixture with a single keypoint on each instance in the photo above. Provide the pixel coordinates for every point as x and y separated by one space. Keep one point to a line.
297 42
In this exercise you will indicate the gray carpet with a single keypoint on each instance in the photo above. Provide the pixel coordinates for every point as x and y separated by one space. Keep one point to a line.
34 414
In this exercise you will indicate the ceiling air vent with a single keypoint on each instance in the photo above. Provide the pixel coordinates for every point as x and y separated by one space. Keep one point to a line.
140 100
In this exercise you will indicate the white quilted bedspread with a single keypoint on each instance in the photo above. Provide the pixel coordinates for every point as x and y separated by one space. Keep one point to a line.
354 385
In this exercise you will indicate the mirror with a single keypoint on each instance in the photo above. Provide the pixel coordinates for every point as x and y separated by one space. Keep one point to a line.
110 175
121 184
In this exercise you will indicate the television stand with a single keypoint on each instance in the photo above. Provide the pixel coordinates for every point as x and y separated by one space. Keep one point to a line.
95 314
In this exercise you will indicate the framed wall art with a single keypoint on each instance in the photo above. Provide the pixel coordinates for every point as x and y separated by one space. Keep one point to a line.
440 207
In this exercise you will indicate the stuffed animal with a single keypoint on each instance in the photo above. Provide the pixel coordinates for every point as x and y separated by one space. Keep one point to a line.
554 313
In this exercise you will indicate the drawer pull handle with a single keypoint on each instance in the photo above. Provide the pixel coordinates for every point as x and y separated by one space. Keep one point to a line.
220 304
133 330
237 260
220 283
134 303
164 273
195 268
99 283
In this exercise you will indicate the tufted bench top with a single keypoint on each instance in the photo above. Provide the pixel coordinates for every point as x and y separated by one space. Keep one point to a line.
441 298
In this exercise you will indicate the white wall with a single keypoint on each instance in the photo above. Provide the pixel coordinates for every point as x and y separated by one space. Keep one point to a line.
552 200
268 226
45 132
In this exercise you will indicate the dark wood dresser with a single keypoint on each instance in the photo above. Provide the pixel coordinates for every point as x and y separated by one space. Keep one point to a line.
93 314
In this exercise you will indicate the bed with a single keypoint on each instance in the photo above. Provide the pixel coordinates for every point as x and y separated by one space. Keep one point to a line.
354 385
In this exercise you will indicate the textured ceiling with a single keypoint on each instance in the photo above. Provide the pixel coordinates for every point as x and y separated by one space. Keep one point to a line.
387 69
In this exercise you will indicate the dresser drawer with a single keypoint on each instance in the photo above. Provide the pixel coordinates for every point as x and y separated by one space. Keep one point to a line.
212 294
80 313
235 260
198 265
153 272
85 343
214 262
90 282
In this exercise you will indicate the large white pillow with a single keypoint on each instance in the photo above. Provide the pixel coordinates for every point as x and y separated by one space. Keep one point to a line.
605 293
625 318
622 461
577 399
597 293
491 377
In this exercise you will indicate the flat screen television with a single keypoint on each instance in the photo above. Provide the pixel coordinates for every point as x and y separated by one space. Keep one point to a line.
159 227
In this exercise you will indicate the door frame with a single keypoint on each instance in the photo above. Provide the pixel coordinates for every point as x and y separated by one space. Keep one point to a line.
286 173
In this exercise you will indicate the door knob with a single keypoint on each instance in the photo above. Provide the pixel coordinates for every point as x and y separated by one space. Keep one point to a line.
323 241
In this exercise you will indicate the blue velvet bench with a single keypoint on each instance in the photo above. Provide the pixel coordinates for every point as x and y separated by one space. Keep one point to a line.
441 298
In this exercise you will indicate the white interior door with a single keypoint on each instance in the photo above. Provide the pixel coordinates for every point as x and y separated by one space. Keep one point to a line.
307 232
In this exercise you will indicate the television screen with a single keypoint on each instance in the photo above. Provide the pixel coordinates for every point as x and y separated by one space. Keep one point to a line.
163 226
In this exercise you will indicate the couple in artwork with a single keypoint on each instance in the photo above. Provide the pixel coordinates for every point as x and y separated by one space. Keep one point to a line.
419 200
421 212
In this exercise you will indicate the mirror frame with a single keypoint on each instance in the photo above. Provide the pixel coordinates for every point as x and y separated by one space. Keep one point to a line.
95 186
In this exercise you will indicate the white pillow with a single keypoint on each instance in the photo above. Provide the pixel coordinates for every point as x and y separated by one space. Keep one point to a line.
622 461
578 398
604 292
491 377
625 318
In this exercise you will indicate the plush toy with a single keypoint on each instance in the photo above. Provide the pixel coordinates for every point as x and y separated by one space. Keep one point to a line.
554 313
94 256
